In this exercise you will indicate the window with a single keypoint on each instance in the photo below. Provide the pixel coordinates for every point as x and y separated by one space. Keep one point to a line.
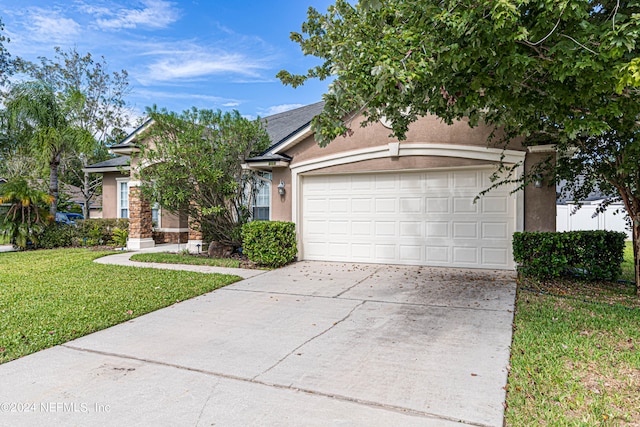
123 197
155 215
263 199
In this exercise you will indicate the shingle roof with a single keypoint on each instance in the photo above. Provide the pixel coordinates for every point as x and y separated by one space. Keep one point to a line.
282 125
111 163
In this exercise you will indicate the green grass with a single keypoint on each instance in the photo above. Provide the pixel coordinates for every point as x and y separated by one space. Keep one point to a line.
575 356
627 264
4 240
51 297
168 258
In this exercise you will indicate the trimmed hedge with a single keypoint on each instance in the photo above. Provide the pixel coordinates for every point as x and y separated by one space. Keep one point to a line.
90 232
594 255
270 243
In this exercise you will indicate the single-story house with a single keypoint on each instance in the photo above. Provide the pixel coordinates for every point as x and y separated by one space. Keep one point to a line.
370 198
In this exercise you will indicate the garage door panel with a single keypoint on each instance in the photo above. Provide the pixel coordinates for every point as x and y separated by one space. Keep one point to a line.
424 218
412 253
361 228
437 180
386 253
411 229
465 255
437 205
494 205
438 255
464 205
495 230
465 180
385 229
411 205
437 230
495 256
465 230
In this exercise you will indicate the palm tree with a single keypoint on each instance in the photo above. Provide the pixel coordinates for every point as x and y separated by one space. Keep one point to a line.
40 119
24 220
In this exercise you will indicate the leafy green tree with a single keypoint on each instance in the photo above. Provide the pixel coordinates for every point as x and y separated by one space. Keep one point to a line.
6 63
25 219
195 166
102 111
38 120
554 71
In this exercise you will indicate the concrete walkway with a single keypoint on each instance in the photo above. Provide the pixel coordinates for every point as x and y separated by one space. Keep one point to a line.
124 259
313 344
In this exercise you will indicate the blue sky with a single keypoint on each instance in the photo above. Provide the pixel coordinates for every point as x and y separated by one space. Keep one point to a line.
179 54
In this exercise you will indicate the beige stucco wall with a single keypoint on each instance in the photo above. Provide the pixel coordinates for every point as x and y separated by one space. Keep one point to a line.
428 129
110 194
169 220
539 203
281 205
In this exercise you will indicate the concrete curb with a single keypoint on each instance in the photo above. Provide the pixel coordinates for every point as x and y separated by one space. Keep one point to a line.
124 259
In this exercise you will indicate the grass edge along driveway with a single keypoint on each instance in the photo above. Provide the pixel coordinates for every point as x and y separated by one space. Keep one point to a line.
49 297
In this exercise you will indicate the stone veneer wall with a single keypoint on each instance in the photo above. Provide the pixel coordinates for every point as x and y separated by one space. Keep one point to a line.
140 222
170 237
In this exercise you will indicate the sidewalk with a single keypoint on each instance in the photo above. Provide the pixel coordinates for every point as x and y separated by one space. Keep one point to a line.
123 259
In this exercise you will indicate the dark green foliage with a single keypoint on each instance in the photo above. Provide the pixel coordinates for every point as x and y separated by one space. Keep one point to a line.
90 232
25 215
270 243
58 235
594 255
100 231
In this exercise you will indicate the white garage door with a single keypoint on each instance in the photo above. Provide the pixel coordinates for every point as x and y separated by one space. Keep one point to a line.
417 218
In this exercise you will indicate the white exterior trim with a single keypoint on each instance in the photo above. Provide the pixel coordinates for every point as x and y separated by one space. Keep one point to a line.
439 150
137 244
293 140
119 207
107 169
547 148
171 230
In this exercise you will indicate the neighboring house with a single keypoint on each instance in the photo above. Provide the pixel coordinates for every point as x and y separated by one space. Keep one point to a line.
369 198
588 216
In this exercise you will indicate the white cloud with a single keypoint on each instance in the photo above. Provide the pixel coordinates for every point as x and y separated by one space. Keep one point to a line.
152 14
186 66
275 109
50 26
156 96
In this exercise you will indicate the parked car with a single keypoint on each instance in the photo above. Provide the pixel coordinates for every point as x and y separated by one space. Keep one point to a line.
68 217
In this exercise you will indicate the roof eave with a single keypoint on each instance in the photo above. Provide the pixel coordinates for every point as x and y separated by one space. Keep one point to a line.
292 140
107 169
265 165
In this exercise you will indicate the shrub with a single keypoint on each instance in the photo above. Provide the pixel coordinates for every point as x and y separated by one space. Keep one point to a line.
594 255
270 243
120 236
99 231
58 235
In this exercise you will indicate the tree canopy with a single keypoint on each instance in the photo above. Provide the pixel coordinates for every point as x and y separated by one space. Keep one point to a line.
557 72
192 164
6 64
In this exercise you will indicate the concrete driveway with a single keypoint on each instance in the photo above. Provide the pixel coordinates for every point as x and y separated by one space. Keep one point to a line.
312 344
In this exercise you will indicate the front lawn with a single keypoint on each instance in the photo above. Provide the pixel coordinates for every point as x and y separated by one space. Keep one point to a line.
52 296
168 258
575 356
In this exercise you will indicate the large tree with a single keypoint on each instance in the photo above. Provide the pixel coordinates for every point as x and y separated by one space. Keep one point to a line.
559 72
6 64
193 164
38 120
96 100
